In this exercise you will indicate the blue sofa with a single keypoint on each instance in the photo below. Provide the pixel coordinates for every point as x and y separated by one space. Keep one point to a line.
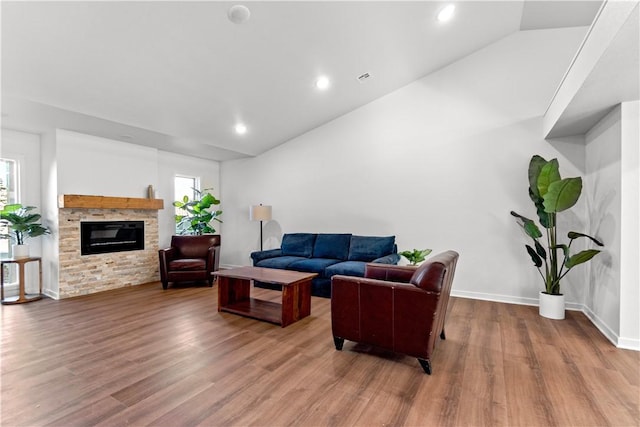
327 255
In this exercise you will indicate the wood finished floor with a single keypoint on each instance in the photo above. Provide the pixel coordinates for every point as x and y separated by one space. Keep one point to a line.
144 356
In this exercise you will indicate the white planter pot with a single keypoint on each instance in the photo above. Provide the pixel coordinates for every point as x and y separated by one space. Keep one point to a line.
20 251
551 306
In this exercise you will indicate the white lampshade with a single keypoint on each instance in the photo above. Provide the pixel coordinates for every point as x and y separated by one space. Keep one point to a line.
260 213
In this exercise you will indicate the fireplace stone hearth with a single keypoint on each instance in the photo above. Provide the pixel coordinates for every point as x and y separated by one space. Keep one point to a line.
86 274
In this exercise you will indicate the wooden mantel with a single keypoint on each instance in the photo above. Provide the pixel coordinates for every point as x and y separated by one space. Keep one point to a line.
105 202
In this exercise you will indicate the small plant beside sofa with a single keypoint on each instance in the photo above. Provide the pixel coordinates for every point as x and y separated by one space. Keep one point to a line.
327 255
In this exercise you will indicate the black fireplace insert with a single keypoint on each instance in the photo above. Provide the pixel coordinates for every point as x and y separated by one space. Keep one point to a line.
99 237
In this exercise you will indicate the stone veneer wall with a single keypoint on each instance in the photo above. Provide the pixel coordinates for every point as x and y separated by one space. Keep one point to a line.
81 275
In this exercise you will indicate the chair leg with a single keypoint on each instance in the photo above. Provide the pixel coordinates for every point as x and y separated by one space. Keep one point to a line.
426 365
442 335
339 342
165 285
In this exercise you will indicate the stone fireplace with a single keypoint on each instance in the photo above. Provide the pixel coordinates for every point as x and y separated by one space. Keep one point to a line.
85 274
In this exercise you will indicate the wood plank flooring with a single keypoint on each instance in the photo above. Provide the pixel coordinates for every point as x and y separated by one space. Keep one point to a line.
144 356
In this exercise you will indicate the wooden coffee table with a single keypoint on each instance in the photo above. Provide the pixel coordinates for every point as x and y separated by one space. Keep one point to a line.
234 289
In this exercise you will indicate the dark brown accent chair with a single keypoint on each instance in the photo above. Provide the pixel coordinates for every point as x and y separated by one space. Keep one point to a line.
396 308
190 258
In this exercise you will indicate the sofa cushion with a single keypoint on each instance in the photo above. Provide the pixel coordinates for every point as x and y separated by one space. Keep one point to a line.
312 265
332 246
346 268
280 262
368 248
298 244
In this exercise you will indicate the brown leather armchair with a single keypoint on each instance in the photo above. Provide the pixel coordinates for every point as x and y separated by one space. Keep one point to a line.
397 308
190 258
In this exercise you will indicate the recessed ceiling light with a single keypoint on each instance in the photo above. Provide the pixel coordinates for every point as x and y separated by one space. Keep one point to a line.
240 128
446 13
323 83
238 14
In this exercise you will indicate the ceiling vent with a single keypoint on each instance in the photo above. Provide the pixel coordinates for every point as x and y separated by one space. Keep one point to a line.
364 77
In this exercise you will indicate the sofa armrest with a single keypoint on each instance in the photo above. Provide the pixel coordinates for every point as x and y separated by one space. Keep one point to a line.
261 255
387 259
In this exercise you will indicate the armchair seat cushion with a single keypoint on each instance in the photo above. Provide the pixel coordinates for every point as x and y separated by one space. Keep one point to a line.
312 265
187 264
281 262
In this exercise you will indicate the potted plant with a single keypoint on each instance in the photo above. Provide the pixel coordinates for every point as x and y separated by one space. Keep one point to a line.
23 223
198 217
415 256
551 194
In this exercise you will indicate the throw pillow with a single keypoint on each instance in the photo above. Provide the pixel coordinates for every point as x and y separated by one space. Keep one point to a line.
368 248
298 244
332 246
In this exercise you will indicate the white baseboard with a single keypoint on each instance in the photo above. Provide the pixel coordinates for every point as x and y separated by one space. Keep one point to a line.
620 342
495 297
628 343
51 294
602 327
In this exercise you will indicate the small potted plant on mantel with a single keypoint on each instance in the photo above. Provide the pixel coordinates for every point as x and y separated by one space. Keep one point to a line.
198 217
415 256
23 223
551 194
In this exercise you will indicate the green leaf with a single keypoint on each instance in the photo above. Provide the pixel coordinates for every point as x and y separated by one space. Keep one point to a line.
565 249
534 256
581 257
562 194
415 256
574 235
540 250
549 174
535 165
528 225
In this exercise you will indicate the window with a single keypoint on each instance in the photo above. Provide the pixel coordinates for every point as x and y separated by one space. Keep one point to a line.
184 186
8 195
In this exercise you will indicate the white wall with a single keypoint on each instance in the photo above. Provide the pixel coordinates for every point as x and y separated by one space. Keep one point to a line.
602 188
25 147
89 165
75 163
170 165
629 336
49 185
439 163
613 187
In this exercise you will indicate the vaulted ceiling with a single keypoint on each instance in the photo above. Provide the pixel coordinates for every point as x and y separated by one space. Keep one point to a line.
180 75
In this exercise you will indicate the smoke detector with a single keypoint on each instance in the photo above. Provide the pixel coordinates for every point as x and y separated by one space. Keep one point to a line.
238 14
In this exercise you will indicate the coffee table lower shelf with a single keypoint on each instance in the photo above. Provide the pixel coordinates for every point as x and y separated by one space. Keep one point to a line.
234 294
256 309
